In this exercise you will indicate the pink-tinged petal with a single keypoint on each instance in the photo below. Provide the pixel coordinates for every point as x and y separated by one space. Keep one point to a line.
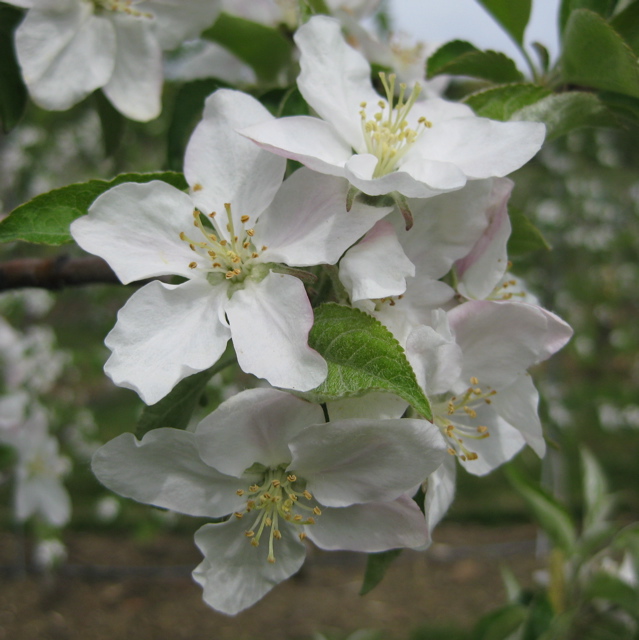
311 141
377 266
255 425
409 179
439 490
136 229
379 405
480 147
334 78
270 321
307 223
165 470
517 404
501 340
221 166
371 527
65 52
135 88
234 574
165 333
357 461
482 269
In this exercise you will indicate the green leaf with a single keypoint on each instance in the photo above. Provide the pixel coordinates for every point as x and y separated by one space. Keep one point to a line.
376 566
611 588
499 103
565 112
446 54
13 93
626 24
551 516
602 7
175 410
623 107
597 501
362 356
595 55
263 48
524 237
500 624
542 54
512 15
488 65
46 218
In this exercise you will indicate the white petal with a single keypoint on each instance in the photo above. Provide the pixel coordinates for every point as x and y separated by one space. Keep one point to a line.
165 333
235 574
136 229
371 527
440 491
135 87
307 223
255 425
165 470
377 266
270 321
311 141
482 269
334 78
356 461
65 52
221 166
45 497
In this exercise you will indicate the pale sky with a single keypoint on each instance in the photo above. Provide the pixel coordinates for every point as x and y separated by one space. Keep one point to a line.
444 20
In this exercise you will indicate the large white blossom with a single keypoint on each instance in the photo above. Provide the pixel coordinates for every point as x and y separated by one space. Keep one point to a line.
269 460
418 149
69 48
229 256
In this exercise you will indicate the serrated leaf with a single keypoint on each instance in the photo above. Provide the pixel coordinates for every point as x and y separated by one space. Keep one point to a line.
595 55
597 501
376 566
524 237
565 112
263 48
602 7
13 93
500 103
487 65
551 516
175 409
513 16
626 24
46 218
500 624
446 54
362 355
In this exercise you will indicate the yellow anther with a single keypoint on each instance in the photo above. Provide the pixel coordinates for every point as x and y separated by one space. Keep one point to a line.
474 381
451 451
307 494
240 492
302 536
291 477
277 534
238 515
197 187
317 511
255 542
276 483
297 518
250 232
482 429
271 559
249 534
310 521
192 265
471 455
244 219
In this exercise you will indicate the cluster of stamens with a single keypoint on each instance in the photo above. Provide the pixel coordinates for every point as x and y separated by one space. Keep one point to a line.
227 257
457 433
387 134
277 498
121 6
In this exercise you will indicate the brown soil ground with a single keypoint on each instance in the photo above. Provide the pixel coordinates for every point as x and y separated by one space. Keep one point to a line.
107 592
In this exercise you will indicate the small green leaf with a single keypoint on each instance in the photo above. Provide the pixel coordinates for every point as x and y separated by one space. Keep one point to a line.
611 588
13 93
263 48
542 54
602 7
362 356
487 65
551 516
595 55
524 237
626 24
565 112
376 566
499 103
513 16
175 410
46 218
500 624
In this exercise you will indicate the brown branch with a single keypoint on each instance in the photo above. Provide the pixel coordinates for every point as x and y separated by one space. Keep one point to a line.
55 273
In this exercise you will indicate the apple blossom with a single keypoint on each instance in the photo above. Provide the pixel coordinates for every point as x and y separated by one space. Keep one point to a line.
69 48
227 239
269 461
396 144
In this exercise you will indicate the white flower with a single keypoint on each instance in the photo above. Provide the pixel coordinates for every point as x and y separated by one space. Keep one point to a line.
472 363
419 149
69 48
167 332
270 460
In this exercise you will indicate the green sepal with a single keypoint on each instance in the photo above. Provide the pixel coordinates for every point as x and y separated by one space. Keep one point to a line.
376 566
524 237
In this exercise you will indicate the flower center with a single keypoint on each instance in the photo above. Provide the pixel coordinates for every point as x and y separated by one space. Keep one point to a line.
387 134
278 497
221 258
457 432
120 6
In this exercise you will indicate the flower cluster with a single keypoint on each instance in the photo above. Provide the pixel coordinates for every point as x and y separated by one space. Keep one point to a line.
247 248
